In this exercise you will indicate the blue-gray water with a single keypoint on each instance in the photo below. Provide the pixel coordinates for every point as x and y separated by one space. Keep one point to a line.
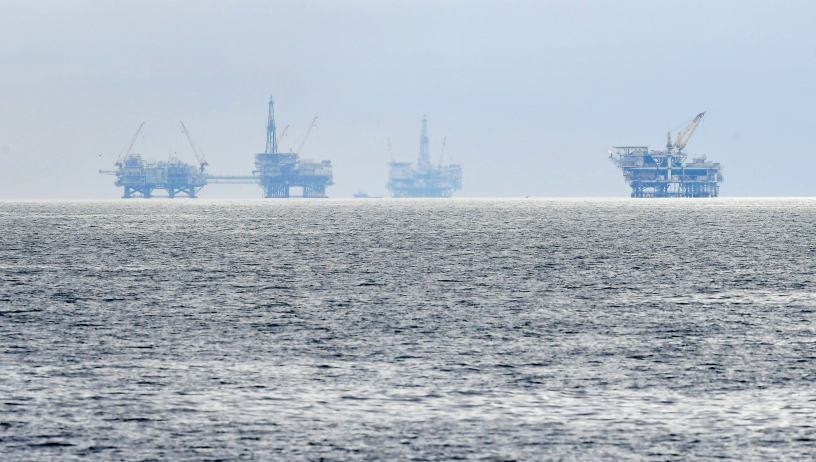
408 329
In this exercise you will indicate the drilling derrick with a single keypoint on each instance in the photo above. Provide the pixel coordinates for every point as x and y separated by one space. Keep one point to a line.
424 179
424 149
665 173
277 172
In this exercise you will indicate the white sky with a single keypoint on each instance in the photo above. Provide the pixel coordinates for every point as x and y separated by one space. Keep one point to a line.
530 94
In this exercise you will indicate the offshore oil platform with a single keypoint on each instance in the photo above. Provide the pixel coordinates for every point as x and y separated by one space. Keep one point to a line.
140 178
275 172
663 173
424 179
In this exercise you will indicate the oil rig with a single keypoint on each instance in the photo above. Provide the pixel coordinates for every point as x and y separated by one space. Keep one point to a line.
424 179
664 173
141 178
275 172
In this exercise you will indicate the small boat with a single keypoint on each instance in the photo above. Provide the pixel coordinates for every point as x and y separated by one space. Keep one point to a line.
362 195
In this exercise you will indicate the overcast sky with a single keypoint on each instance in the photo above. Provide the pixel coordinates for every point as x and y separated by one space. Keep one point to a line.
529 94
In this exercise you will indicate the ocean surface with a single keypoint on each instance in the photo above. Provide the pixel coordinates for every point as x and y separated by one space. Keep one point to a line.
408 330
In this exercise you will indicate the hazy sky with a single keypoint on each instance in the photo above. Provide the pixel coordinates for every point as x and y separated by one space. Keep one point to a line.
529 94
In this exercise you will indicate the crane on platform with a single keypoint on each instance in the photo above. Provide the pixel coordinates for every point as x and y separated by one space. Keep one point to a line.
283 133
126 152
684 136
306 136
200 157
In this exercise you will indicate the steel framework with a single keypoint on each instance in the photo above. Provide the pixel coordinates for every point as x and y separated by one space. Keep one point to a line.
424 179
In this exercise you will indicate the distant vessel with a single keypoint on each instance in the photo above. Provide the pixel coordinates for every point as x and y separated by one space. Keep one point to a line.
424 180
362 195
663 173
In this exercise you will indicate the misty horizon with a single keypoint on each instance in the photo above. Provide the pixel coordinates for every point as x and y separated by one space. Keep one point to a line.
529 96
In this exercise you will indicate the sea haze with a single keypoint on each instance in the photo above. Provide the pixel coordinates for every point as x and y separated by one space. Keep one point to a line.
408 329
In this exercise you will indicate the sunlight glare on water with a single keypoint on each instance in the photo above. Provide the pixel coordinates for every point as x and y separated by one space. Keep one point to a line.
408 329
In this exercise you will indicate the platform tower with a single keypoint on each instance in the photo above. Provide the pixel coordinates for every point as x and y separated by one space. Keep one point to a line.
424 151
271 135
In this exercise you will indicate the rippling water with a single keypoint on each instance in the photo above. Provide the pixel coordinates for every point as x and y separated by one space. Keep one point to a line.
408 329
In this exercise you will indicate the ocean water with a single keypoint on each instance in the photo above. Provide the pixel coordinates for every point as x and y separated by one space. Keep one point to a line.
408 330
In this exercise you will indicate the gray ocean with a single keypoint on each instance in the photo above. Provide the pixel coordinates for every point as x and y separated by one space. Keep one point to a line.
408 330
